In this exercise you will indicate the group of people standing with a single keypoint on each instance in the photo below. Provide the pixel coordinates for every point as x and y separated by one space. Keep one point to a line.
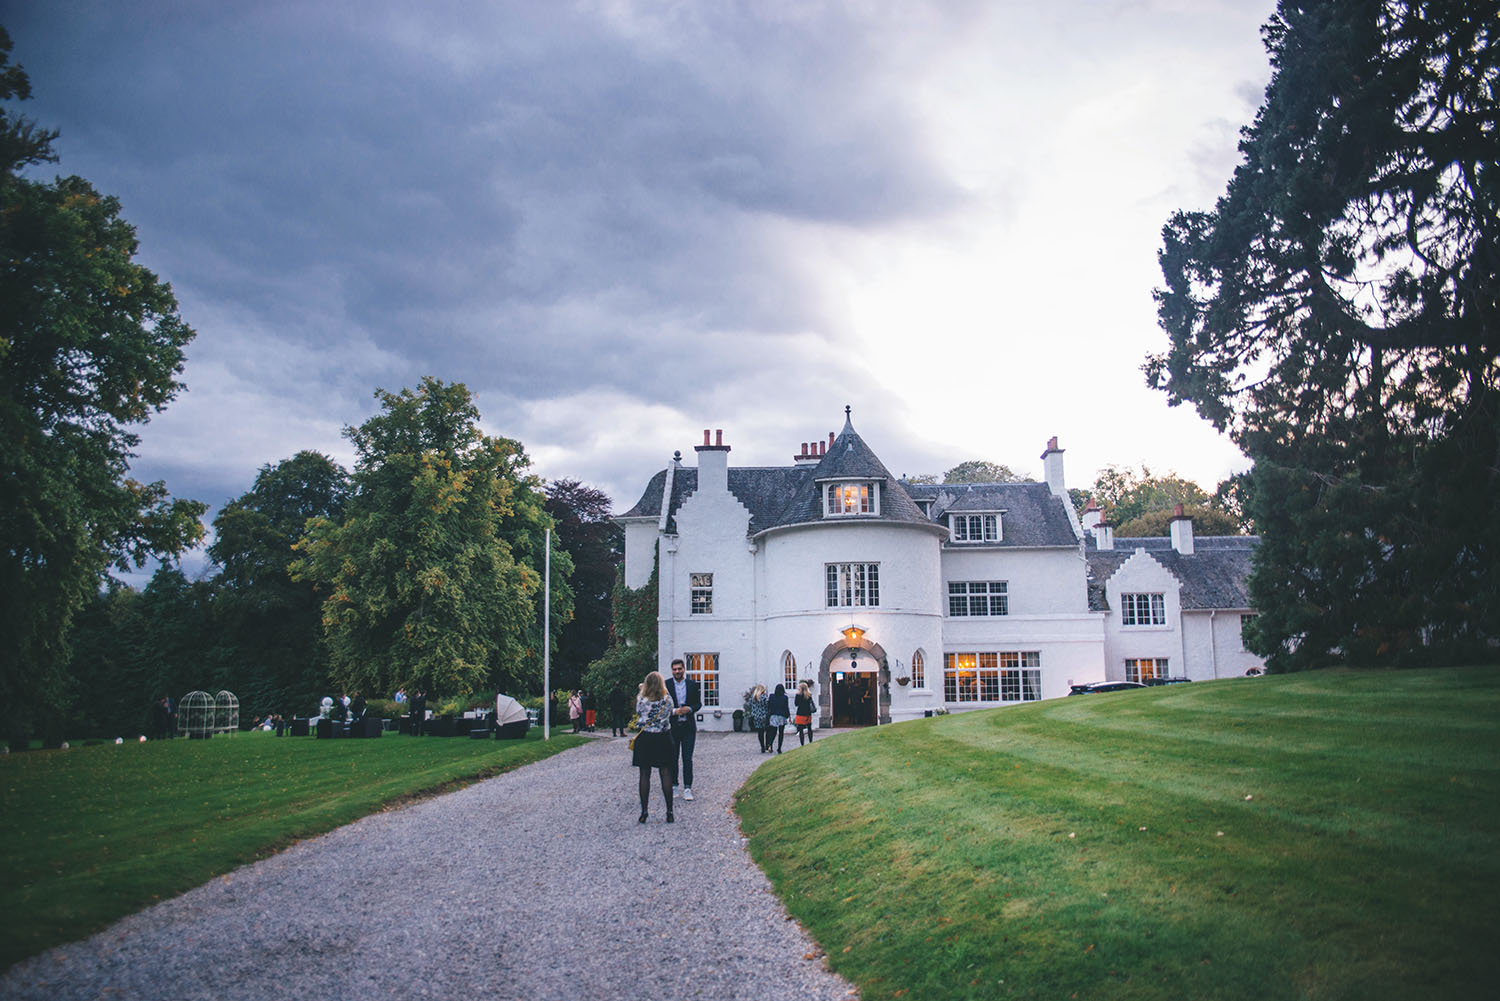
668 719
584 714
770 713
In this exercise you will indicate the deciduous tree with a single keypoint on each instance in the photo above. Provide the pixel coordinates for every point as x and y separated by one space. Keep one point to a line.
586 533
272 624
433 577
982 471
91 345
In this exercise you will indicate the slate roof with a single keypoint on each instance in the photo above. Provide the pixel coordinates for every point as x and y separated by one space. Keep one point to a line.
777 496
1214 576
1033 514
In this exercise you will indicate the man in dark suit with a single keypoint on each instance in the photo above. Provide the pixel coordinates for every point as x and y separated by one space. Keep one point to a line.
687 700
418 704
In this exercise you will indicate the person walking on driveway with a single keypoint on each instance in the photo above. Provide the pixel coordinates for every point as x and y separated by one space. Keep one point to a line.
654 747
758 716
780 712
618 716
687 699
803 719
575 710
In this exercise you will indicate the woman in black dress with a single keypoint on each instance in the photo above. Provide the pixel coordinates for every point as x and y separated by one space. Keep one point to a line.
779 712
653 745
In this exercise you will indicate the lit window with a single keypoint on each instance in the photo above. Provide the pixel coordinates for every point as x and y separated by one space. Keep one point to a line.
704 669
1143 610
977 597
853 584
1141 668
852 498
974 527
789 671
1009 676
702 587
918 670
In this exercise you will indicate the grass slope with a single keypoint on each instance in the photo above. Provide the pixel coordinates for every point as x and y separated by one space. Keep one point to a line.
93 834
1329 835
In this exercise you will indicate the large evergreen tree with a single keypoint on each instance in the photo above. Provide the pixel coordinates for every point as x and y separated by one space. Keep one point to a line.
433 577
90 346
1336 313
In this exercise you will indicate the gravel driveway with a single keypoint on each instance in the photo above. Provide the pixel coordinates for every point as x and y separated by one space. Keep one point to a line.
495 891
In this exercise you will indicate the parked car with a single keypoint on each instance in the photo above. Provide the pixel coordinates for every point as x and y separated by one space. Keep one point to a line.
1153 682
1103 686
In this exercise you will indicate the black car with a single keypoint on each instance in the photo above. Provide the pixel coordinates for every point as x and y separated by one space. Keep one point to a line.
1103 686
1153 682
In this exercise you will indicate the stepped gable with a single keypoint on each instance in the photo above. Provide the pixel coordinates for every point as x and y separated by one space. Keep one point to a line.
1215 576
763 490
1034 515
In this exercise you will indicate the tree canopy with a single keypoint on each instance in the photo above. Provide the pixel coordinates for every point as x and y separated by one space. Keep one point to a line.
433 577
1336 314
91 345
973 471
272 624
982 471
595 545
1140 503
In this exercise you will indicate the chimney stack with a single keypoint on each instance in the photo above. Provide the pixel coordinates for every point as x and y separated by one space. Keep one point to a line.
1091 515
713 465
1182 532
1052 468
1104 536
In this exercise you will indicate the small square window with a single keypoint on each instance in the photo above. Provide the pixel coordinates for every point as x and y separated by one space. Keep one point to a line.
702 590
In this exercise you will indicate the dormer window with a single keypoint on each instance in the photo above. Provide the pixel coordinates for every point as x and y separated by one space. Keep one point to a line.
972 528
855 498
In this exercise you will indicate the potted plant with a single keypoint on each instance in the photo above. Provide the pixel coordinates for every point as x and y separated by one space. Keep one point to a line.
903 681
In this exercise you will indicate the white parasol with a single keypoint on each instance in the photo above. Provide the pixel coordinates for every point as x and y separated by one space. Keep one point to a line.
508 710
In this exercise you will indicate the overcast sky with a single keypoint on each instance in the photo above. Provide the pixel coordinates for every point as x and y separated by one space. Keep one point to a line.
620 223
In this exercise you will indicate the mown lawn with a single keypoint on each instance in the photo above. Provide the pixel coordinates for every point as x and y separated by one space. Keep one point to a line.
92 834
1333 835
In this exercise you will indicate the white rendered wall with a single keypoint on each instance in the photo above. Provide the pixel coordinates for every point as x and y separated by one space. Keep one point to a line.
1214 648
1141 574
1047 611
793 582
1039 581
640 551
711 527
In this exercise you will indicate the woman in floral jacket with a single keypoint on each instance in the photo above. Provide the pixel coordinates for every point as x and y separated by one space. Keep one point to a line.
759 714
652 747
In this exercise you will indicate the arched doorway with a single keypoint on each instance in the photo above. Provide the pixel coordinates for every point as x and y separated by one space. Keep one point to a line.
854 682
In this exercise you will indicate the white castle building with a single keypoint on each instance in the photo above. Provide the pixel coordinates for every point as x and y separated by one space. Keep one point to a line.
898 598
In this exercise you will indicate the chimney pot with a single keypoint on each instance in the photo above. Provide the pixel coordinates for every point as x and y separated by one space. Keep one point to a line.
719 436
705 436
830 439
1177 511
1052 444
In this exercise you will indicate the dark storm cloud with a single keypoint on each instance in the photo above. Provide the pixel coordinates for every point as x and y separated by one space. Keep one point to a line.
484 188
